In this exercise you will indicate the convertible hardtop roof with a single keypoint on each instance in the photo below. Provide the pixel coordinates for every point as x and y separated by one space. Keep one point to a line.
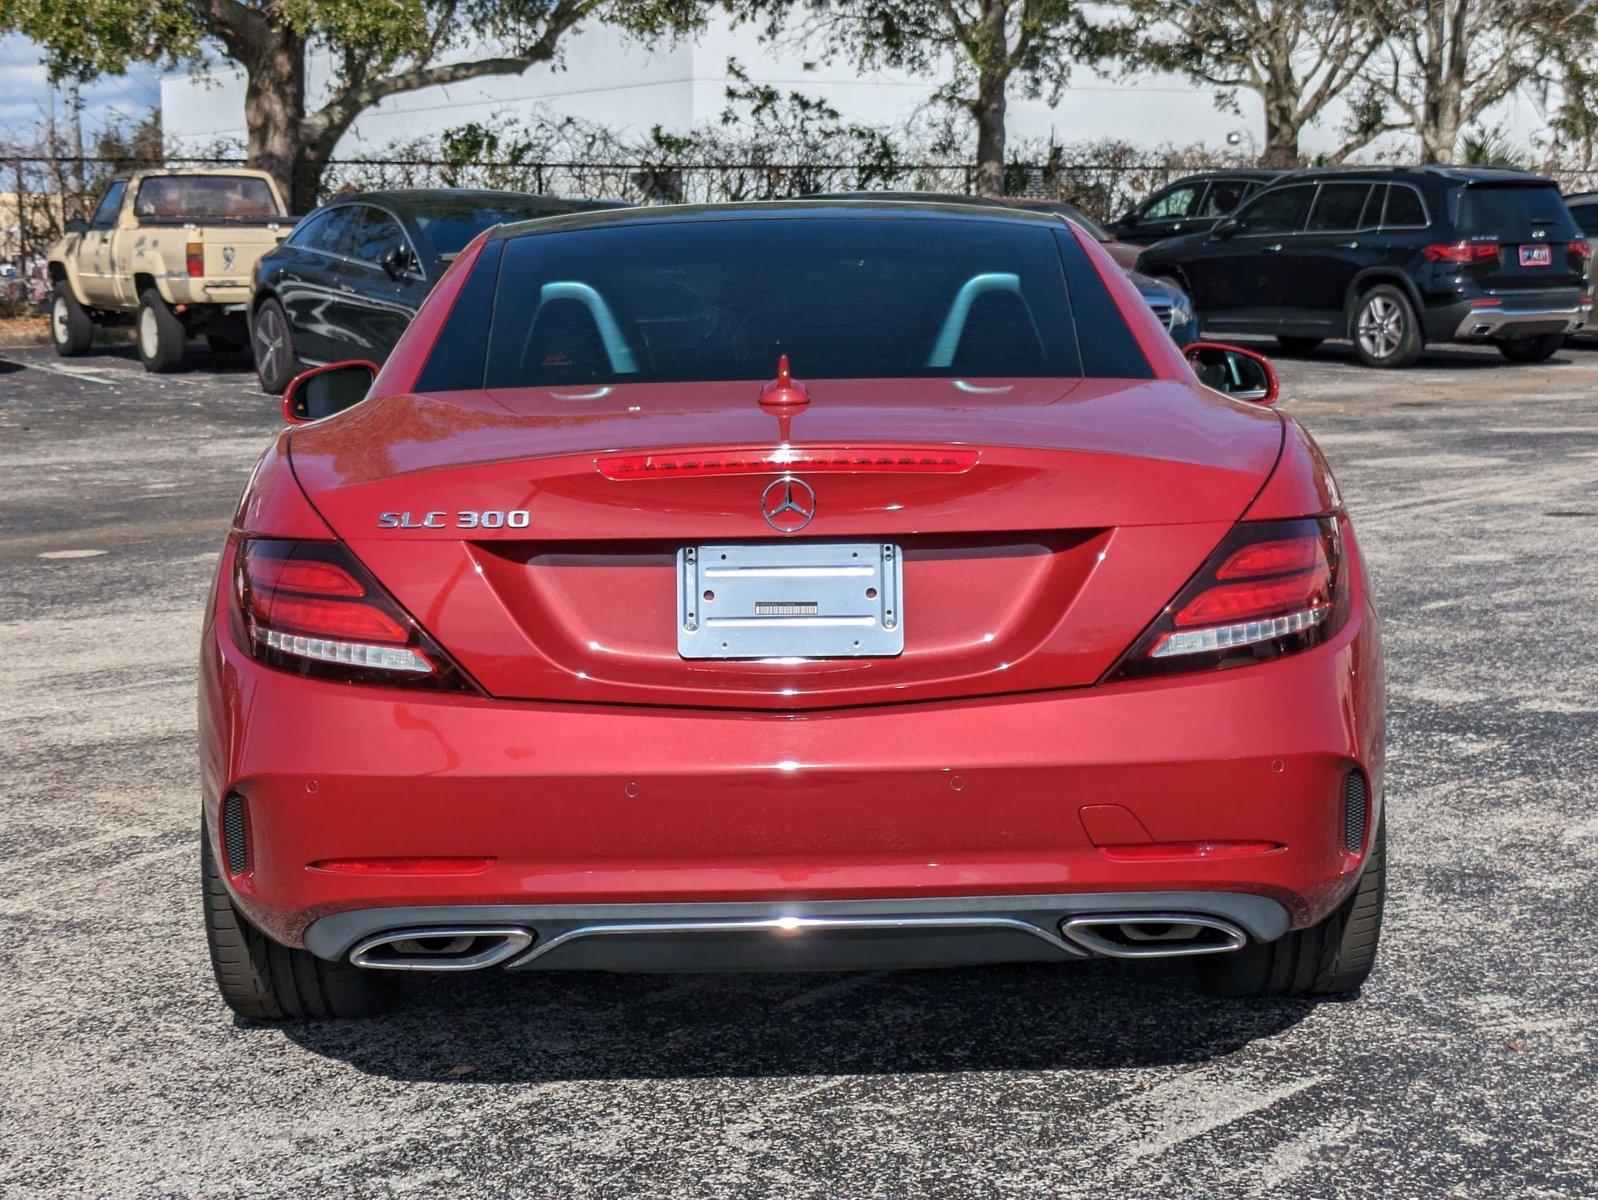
861 209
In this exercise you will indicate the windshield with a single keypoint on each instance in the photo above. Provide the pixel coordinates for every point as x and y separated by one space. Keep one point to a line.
1514 212
448 223
206 197
888 297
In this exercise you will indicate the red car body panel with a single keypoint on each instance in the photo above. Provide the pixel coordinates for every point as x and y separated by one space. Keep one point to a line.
991 758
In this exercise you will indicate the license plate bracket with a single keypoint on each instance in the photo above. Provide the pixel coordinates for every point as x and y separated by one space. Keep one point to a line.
790 600
1535 256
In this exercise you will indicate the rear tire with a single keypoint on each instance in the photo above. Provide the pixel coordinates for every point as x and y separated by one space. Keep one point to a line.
1531 349
1298 345
1385 329
273 342
159 334
263 981
71 327
1332 958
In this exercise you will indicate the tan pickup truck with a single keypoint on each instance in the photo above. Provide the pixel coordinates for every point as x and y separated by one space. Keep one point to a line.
171 252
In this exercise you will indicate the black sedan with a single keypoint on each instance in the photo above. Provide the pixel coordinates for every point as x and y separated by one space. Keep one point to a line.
349 278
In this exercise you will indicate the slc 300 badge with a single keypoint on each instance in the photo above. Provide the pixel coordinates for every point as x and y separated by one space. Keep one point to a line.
466 518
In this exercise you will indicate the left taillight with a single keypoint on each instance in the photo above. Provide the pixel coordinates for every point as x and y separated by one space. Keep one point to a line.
1271 588
194 259
312 608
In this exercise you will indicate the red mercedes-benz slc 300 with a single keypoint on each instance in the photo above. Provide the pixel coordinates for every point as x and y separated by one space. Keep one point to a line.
788 586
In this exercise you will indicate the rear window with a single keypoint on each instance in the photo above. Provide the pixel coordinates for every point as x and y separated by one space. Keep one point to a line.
1513 212
448 224
885 297
205 197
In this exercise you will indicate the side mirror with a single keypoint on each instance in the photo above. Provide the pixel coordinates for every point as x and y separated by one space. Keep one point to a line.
323 391
1225 229
77 225
1241 374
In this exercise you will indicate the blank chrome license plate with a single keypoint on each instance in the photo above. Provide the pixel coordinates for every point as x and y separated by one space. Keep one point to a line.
1535 256
790 600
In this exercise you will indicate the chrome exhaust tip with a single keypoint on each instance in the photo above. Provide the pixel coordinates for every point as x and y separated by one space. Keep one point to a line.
1152 935
453 948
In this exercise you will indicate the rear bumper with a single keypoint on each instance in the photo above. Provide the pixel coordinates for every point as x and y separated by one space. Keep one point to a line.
1513 318
582 805
813 935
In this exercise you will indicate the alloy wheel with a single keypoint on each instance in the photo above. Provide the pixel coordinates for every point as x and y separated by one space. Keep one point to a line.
1381 327
268 343
58 321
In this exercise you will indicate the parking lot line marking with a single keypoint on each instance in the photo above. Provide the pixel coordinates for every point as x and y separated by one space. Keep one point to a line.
90 374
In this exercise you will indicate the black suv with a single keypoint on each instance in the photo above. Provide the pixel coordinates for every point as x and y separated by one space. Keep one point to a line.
1192 204
1391 258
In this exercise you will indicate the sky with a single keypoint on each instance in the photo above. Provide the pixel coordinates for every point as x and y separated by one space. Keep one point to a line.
25 91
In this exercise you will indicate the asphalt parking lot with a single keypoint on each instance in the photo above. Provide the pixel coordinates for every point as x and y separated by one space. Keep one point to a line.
1467 1068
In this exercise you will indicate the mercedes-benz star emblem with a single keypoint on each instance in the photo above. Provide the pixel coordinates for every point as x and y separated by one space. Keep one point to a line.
788 504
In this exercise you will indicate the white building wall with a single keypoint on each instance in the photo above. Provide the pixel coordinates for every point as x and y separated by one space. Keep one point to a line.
610 79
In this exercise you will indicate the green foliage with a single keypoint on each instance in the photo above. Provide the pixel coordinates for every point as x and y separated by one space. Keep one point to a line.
105 37
1033 41
1494 148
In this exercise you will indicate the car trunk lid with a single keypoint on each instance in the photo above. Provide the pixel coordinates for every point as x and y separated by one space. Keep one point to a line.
1040 524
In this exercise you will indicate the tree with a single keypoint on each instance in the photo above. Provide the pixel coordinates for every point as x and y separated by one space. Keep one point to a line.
989 42
1296 55
1449 61
380 48
1573 63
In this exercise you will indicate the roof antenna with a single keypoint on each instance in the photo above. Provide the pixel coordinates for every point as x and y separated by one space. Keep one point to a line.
784 397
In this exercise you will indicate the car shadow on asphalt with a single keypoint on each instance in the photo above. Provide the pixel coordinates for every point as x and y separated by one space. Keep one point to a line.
542 1027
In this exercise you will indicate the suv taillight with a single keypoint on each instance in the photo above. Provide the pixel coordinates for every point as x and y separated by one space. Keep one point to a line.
1271 588
194 259
1461 252
312 608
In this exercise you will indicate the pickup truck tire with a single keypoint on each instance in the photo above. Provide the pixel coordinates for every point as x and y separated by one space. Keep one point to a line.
263 981
71 328
273 343
159 334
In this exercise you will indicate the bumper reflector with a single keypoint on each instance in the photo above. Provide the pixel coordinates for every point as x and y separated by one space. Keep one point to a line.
399 865
1172 851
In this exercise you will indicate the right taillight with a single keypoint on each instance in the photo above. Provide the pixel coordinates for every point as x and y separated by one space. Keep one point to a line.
312 608
1270 588
1462 252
